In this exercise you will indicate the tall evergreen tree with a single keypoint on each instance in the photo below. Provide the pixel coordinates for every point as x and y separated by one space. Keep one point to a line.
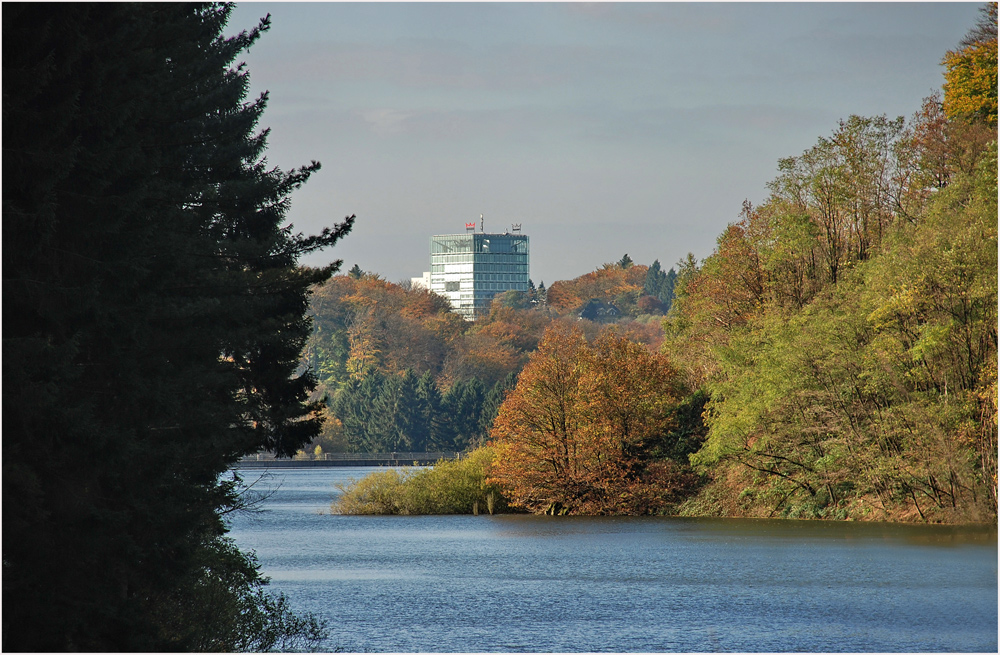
384 434
666 294
462 406
365 410
394 414
154 319
408 416
654 278
492 402
432 428
346 407
660 285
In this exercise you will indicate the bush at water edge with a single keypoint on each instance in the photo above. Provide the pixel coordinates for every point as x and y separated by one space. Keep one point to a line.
449 487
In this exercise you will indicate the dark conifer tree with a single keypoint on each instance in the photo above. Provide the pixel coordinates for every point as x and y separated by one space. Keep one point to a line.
660 285
363 413
433 426
492 402
654 278
666 294
382 417
408 415
347 406
394 414
462 407
154 315
450 420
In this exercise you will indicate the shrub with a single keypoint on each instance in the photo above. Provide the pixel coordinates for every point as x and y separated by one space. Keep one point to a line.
376 493
449 487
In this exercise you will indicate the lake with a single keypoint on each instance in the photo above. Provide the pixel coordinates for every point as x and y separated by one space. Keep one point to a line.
571 584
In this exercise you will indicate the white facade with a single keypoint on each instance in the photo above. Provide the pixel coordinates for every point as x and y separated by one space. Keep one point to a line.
422 282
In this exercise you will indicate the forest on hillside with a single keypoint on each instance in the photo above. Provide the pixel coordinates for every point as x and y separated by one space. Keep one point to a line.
401 372
834 357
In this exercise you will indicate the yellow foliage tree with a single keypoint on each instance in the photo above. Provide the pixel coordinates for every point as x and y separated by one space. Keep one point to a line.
970 88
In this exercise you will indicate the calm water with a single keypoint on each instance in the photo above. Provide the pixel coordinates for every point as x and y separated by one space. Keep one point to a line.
565 584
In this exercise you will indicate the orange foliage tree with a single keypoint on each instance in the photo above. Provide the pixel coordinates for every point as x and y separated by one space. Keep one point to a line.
612 283
570 437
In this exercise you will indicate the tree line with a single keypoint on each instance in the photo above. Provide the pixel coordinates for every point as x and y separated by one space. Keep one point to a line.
404 413
845 328
399 371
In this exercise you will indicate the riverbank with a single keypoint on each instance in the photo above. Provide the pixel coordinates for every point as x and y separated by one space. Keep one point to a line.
466 487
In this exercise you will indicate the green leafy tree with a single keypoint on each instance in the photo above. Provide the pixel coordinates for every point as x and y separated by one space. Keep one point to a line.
872 397
155 318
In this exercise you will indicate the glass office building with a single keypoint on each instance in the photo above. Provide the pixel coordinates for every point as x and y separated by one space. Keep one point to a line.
469 269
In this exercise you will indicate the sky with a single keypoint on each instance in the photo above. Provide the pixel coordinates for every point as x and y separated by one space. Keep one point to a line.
603 129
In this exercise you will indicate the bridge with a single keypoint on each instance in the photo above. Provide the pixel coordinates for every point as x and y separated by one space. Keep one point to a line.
347 459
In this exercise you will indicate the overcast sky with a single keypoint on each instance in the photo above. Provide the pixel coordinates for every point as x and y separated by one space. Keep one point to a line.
603 129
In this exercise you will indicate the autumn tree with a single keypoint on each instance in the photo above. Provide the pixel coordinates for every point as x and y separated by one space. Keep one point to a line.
571 436
845 330
877 399
615 284
364 322
970 88
536 431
